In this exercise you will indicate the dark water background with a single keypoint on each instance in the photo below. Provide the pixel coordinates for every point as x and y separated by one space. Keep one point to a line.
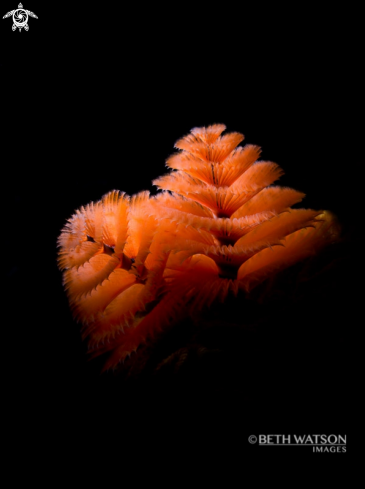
93 101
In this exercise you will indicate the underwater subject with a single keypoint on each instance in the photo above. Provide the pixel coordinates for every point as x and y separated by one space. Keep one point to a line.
134 266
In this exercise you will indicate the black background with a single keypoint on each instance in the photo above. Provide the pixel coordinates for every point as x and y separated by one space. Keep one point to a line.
93 99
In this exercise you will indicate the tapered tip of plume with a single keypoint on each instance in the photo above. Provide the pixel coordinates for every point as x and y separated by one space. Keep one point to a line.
207 135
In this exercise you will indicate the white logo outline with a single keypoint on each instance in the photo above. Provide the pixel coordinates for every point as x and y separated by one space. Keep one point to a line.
20 17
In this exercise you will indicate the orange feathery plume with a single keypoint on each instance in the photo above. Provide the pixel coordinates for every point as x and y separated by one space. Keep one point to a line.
136 265
103 251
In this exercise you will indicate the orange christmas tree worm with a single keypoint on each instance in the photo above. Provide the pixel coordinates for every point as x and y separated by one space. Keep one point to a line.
134 266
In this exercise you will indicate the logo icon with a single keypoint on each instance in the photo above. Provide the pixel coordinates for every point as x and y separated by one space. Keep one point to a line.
20 17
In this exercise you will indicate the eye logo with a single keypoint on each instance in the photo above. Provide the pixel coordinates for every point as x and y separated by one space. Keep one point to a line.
20 17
